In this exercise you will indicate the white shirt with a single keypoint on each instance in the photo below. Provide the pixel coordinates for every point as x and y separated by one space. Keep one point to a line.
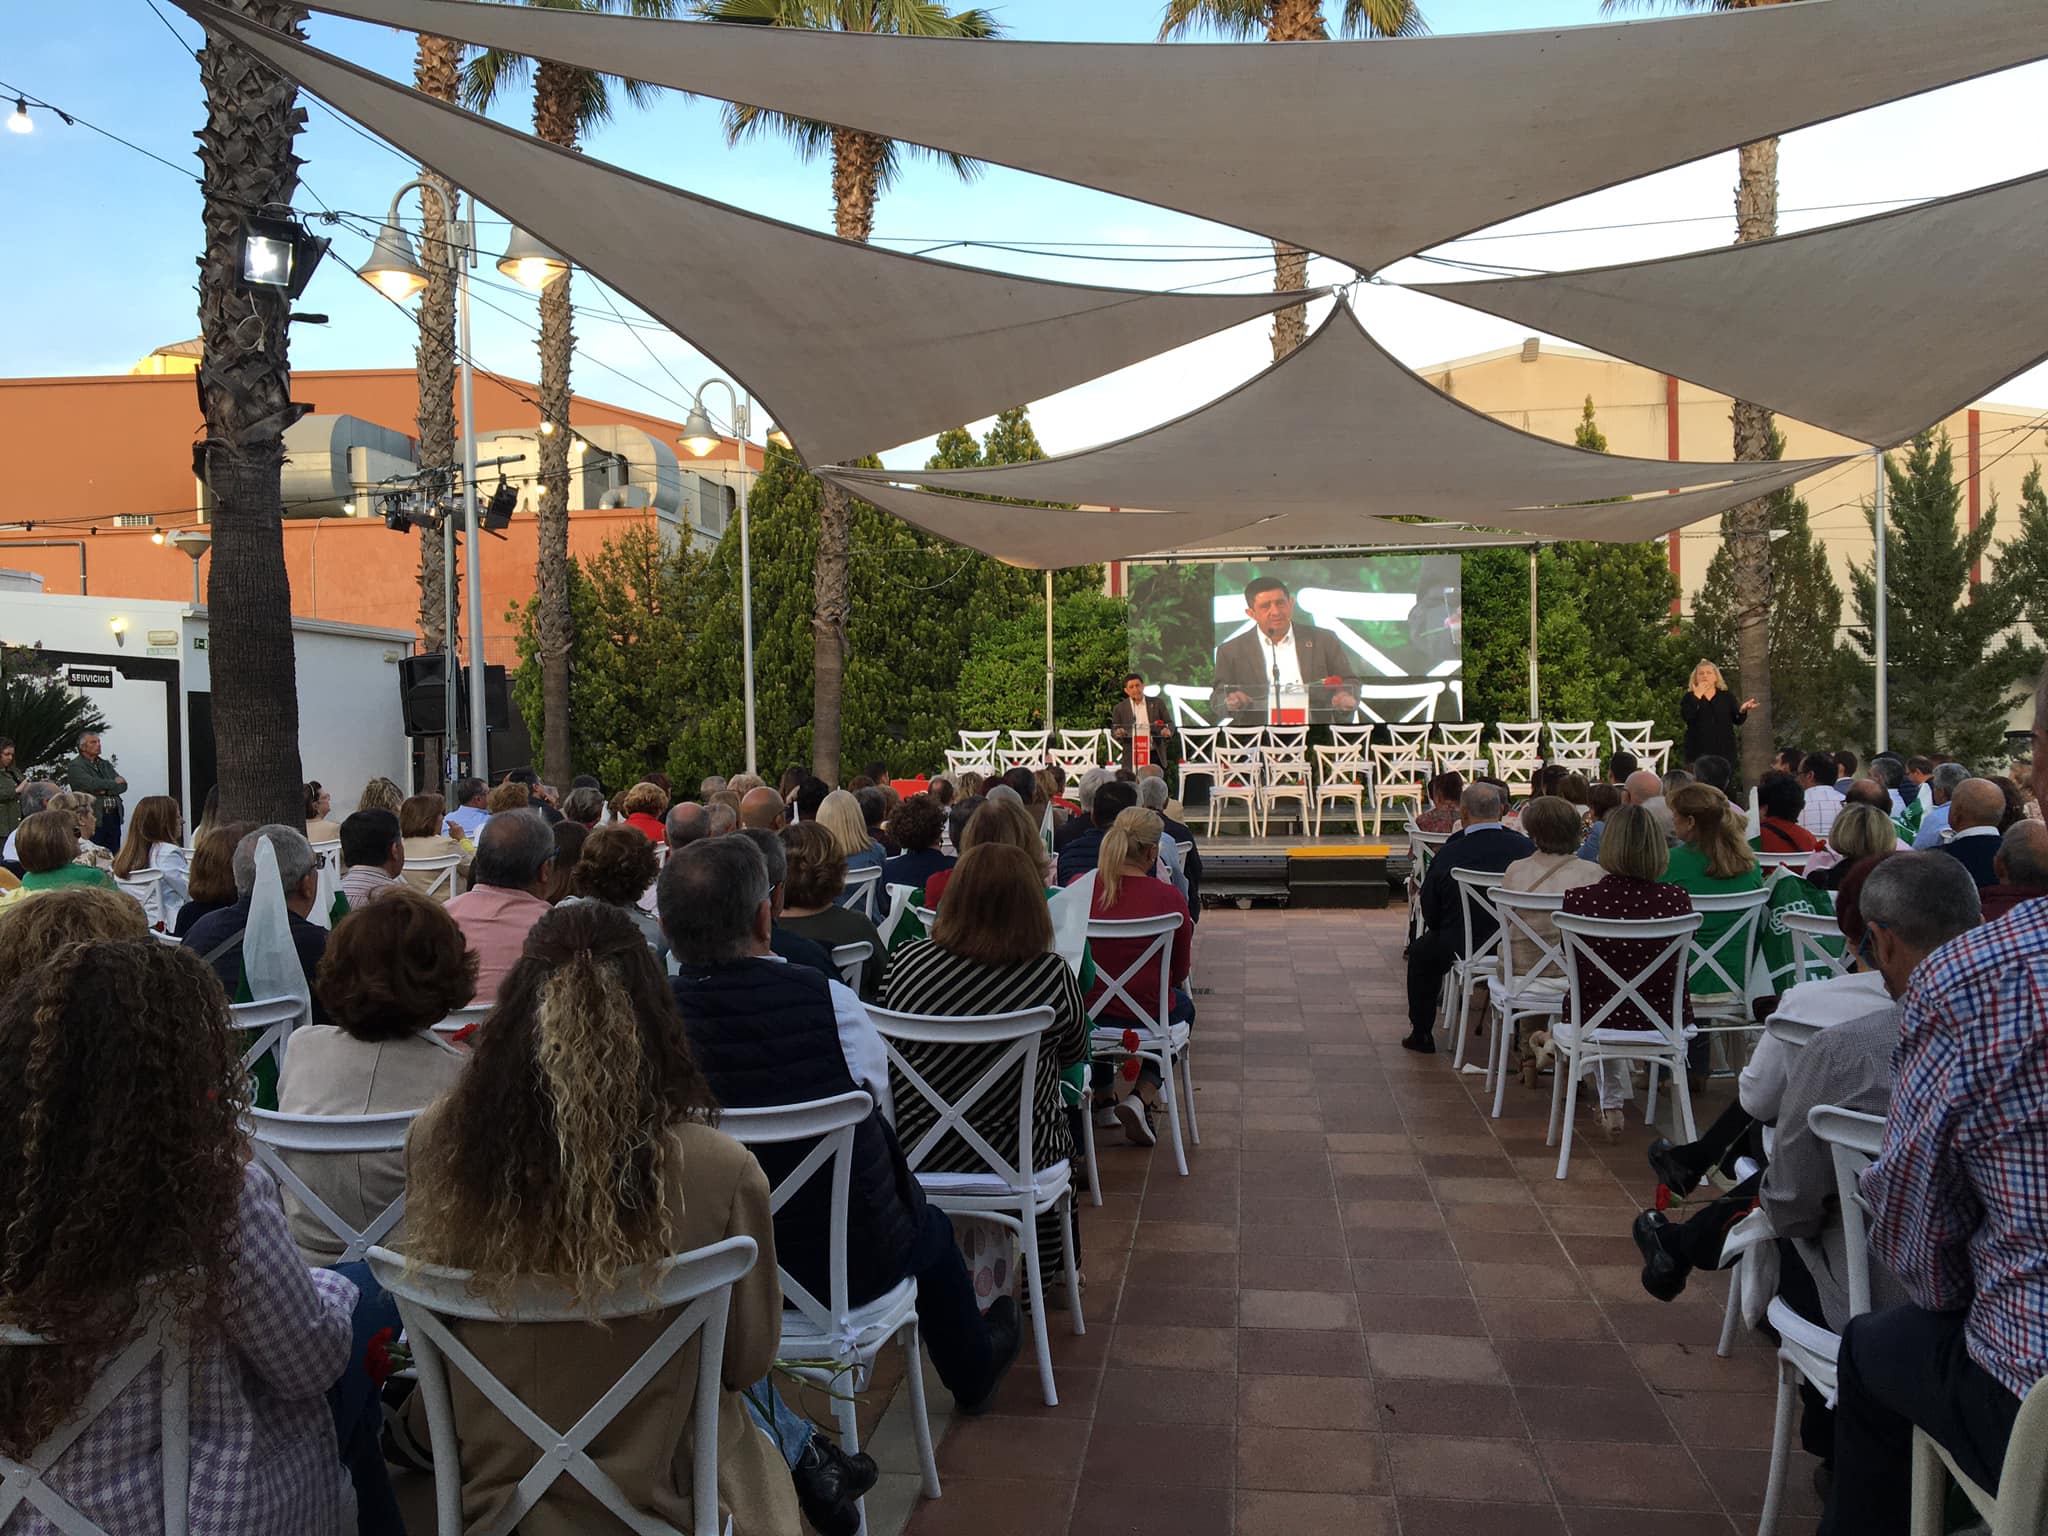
1284 655
7 853
1957 837
1833 1000
1823 804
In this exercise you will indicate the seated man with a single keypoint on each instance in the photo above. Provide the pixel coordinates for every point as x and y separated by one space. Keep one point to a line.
1942 785
1483 843
1152 796
765 1033
1823 802
217 937
470 813
1974 812
372 856
1646 789
1959 1212
1082 853
1174 810
2021 867
762 808
793 947
513 868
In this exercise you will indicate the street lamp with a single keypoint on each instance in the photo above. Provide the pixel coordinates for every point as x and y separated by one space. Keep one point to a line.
700 439
194 543
529 263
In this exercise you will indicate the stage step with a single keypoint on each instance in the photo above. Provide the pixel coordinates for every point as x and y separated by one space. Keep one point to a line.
1352 875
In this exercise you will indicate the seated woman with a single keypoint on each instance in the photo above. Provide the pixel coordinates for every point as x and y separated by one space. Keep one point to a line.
47 845
615 870
570 836
1441 814
320 826
917 825
84 812
423 823
811 906
1634 855
1126 889
381 794
211 884
1601 800
1711 859
31 931
155 840
1552 824
390 972
642 807
576 1146
1779 800
991 952
135 1190
1860 832
840 814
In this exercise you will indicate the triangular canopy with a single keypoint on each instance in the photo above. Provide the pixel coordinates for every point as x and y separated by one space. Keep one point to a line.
1365 151
1337 429
854 349
1873 329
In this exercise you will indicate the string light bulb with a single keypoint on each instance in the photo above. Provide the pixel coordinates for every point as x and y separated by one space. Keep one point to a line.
18 121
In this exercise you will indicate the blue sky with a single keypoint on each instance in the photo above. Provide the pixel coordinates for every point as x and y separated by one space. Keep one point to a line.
106 273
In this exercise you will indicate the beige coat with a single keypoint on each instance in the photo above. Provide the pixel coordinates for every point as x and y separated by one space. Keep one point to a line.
561 1369
327 1071
436 847
1550 874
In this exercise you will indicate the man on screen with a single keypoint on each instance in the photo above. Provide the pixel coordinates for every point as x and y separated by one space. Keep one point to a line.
1278 664
1132 708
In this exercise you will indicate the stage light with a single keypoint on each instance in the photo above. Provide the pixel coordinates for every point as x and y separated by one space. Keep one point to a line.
498 512
278 253
395 515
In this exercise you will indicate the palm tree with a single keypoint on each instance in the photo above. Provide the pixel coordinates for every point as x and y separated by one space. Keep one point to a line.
1290 21
863 166
437 72
1756 218
247 164
567 103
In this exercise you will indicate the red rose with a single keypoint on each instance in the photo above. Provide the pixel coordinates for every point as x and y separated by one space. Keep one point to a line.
1130 1039
1130 1069
377 1355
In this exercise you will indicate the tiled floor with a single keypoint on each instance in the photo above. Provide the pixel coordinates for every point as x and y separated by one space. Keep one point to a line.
1370 1308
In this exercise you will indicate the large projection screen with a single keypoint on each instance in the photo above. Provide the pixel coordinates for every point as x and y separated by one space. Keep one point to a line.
1383 629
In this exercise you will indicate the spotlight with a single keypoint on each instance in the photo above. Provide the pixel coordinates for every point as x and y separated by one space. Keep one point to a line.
498 512
279 253
395 515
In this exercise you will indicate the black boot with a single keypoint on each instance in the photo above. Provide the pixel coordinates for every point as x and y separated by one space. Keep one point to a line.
829 1484
1664 1273
1005 1333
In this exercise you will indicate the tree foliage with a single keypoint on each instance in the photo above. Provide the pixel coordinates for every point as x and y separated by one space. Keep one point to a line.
2026 557
1954 665
1002 685
39 712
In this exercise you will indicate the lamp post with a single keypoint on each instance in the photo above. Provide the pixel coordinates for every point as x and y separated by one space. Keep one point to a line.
699 439
194 543
394 271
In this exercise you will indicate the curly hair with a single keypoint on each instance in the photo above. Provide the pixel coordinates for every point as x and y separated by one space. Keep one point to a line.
30 931
645 798
397 965
125 1170
617 866
509 796
917 823
551 1157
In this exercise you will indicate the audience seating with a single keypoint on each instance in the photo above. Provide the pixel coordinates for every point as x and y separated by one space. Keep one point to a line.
327 864
446 882
1726 1005
461 1019
1422 847
2019 1508
147 887
1394 778
981 743
1159 1042
1634 736
1819 950
1236 778
1010 1190
1537 993
865 886
1340 777
851 961
831 1342
272 1134
1284 776
1477 962
1198 754
24 1482
700 1282
272 1020
1516 755
1572 746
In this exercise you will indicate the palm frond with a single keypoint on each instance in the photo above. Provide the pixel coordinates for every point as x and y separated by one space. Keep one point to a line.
1240 19
808 137
1623 7
489 73
1383 18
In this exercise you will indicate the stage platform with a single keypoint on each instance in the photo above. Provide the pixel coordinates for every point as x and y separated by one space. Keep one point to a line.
1334 870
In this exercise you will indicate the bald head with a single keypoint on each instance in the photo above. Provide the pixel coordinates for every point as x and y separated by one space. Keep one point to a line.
1643 787
1976 803
762 810
687 823
2023 856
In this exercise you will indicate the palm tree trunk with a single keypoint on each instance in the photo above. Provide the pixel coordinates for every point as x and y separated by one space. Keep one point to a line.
246 159
856 183
436 72
554 119
1292 21
1756 218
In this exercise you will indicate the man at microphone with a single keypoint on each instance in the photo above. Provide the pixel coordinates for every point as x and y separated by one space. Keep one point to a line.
1134 716
1278 664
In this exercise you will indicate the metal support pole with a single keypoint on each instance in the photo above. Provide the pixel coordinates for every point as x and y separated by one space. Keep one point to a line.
479 735
1533 711
741 423
1880 653
1048 651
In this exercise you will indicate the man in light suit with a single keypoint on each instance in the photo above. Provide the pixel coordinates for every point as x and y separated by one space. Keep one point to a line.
1278 664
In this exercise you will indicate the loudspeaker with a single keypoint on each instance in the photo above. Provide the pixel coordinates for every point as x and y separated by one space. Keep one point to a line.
424 700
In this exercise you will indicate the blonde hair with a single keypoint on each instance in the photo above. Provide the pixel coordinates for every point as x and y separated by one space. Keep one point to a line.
1719 680
840 815
1633 844
1860 831
1715 832
1133 831
380 794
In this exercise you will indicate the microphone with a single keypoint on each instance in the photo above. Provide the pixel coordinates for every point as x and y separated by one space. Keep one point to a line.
1273 655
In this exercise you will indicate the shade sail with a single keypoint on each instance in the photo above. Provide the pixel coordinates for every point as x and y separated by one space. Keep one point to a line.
1874 329
854 349
1366 151
1338 429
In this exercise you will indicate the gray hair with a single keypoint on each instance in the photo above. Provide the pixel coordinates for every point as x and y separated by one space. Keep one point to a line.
708 894
1152 794
1091 781
37 794
511 850
1004 792
1947 777
294 858
85 736
1480 802
1924 898
1676 780
719 819
2024 853
774 852
687 822
585 806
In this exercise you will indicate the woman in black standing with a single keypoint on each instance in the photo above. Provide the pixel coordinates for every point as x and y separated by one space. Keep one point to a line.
1711 715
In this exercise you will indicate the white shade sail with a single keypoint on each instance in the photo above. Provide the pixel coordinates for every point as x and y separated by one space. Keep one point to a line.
1874 329
853 349
1337 430
1365 151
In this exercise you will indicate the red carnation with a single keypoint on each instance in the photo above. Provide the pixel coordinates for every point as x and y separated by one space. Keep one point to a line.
377 1355
1130 1039
1130 1069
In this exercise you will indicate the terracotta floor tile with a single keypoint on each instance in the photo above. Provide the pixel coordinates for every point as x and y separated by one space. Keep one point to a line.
1495 1218
1376 1142
1186 1237
1327 1310
1690 1368
1396 1245
1419 1407
1019 1448
1441 1517
1314 1241
1304 1402
1658 1522
1447 1315
1159 1347
1530 1282
1295 1352
1179 1306
1567 1363
1019 1395
1310 1460
1430 1466
1373 1164
1167 1267
1432 1356
1634 1476
1656 1322
1268 1512
978 1506
1455 1165
1424 1277
1292 1272
1710 1420
1392 1216
1153 1508
1502 1191
1132 1395
1515 1319
1628 1415
1485 1246
1738 1478
1199 1454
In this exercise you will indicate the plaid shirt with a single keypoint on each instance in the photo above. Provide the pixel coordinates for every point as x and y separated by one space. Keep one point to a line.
1823 804
264 1459
1960 1193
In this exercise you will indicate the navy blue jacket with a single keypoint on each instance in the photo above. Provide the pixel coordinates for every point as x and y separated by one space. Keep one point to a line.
216 928
1081 855
1489 848
798 950
1974 854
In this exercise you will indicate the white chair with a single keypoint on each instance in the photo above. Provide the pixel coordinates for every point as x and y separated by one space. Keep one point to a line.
1459 741
698 1284
271 1135
1635 736
1517 755
1089 743
1584 1040
271 1020
1159 1042
832 1342
1819 950
446 882
1237 779
147 887
1009 1189
1394 779
1392 702
1539 992
1340 777
1773 866
1477 961
1286 738
1724 974
958 763
446 1029
1285 777
981 743
1198 754
1073 764
851 961
1445 759
327 865
1572 746
1017 757
863 891
1032 743
2020 1507
26 1482
1422 847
